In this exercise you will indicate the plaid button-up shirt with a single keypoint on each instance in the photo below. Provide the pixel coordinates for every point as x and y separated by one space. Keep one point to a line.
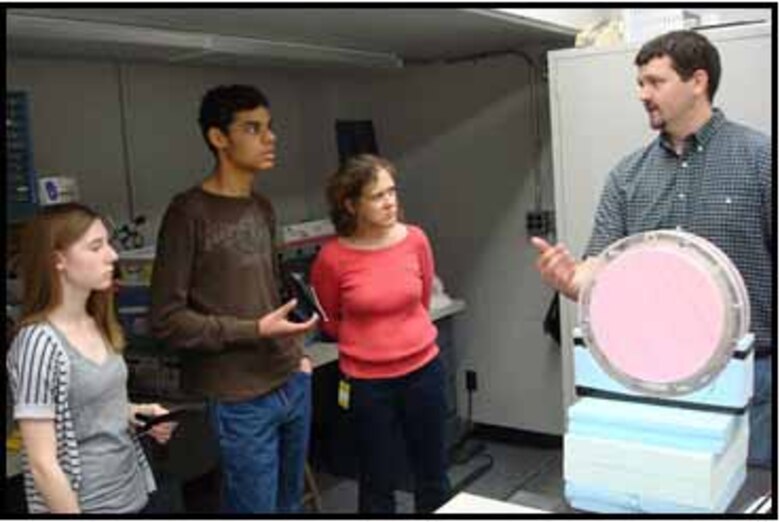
719 188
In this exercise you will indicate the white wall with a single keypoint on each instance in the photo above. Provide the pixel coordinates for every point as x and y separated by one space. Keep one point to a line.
569 19
77 131
74 112
579 19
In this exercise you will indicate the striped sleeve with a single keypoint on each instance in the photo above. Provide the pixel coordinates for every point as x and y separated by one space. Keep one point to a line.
31 369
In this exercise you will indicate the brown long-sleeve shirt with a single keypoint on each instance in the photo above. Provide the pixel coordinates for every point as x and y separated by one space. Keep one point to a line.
214 276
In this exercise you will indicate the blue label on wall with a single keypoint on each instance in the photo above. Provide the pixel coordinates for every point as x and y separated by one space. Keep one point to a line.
51 190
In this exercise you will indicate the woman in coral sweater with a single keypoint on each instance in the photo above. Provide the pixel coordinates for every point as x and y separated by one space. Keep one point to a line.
374 283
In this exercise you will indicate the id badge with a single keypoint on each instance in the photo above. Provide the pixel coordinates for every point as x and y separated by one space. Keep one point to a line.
343 399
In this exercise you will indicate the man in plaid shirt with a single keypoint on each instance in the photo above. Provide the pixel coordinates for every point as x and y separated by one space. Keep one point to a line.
703 174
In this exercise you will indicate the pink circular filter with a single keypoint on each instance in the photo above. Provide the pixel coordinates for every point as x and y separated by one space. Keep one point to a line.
664 311
656 313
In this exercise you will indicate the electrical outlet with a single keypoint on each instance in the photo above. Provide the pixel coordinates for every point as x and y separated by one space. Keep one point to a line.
471 380
540 223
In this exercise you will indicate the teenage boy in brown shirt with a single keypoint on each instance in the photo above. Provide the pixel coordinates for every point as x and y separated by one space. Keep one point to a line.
215 297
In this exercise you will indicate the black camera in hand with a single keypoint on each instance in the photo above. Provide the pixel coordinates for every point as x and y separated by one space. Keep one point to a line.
308 303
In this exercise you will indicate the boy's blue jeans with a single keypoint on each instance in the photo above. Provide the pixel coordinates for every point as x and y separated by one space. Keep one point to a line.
263 444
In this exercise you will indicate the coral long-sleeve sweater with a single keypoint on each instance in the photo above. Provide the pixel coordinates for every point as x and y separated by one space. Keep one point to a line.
377 302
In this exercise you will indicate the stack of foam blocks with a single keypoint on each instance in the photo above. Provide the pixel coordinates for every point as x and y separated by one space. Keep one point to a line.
630 452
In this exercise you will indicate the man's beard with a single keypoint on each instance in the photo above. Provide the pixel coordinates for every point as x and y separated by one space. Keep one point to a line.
657 122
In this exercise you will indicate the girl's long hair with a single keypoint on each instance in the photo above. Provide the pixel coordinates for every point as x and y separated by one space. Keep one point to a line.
55 229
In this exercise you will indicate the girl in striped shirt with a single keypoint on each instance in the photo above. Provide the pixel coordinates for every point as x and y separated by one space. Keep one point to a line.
67 375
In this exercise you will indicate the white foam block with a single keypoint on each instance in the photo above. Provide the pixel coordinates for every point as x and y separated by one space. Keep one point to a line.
652 424
695 478
602 500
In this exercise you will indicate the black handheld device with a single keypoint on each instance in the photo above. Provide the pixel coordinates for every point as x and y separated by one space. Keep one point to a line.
174 414
308 304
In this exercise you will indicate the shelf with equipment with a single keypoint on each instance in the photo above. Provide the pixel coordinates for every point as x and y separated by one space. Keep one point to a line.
21 183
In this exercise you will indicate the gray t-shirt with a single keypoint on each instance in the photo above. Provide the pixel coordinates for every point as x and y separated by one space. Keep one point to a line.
113 481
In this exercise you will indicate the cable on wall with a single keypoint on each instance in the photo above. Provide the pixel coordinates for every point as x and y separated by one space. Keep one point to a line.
534 75
127 160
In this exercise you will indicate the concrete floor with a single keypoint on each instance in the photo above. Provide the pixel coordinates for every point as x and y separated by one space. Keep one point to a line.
520 473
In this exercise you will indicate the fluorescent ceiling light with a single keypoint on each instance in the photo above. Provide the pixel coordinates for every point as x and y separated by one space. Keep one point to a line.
58 29
191 44
317 53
